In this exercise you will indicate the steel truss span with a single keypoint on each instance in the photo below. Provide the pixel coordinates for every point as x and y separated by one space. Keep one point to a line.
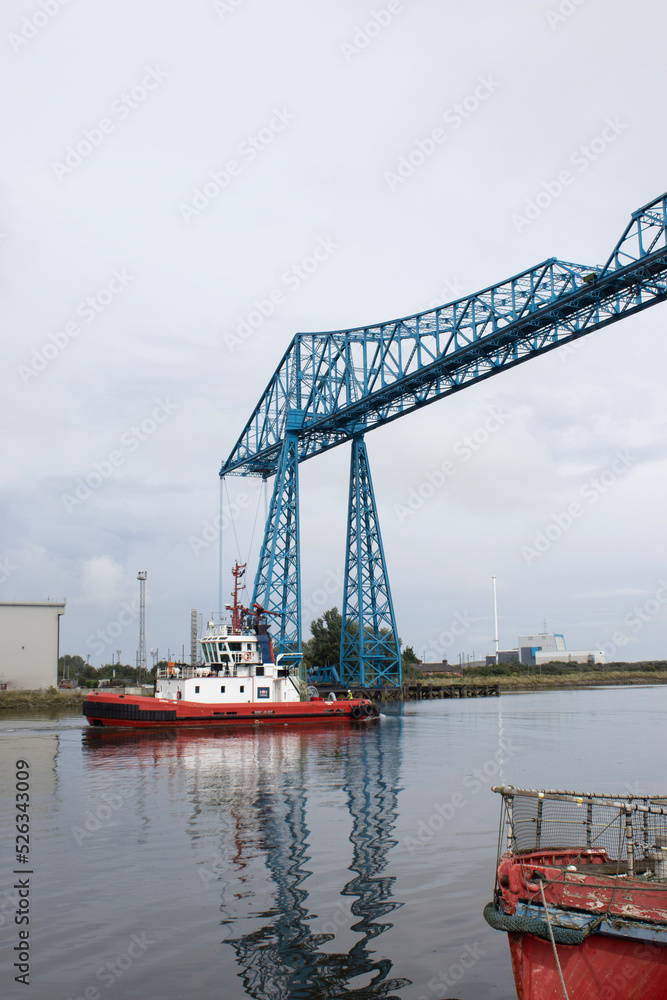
347 382
334 387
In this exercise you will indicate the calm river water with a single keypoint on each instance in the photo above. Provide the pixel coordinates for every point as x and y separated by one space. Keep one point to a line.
297 862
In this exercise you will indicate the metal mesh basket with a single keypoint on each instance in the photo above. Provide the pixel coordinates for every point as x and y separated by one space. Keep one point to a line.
630 829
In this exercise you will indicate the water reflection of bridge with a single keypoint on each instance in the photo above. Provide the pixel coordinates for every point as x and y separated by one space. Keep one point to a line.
284 958
261 809
268 810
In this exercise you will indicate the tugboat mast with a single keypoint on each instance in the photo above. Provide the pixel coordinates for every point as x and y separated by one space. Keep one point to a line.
236 608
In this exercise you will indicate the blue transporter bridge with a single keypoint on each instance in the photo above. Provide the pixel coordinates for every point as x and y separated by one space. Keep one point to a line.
334 387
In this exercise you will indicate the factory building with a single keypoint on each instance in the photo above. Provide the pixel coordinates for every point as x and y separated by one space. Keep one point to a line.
548 646
29 644
545 647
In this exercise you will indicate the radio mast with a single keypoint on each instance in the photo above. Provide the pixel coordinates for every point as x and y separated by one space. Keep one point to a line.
141 655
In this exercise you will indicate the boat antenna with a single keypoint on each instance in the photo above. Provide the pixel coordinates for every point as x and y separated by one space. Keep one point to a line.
220 523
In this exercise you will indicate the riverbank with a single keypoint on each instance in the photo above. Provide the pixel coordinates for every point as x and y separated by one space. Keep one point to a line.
551 682
51 698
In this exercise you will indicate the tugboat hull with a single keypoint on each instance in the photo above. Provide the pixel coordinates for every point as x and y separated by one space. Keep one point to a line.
137 712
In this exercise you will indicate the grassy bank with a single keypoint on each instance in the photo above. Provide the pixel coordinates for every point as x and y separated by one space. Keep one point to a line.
574 679
41 699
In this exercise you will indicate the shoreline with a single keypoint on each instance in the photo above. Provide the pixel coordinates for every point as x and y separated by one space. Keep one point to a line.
560 682
42 699
10 700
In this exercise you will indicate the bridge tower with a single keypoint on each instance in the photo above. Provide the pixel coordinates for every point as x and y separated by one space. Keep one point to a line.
369 650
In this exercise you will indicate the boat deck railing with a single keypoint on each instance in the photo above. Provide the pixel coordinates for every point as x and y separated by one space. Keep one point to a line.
630 829
184 673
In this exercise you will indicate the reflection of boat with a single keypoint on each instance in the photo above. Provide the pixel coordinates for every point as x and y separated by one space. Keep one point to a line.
240 681
582 893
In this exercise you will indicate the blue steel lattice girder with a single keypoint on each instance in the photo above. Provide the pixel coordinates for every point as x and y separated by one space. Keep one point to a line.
369 650
278 581
347 382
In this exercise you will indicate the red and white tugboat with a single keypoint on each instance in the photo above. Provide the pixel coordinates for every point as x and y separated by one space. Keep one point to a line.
582 894
240 681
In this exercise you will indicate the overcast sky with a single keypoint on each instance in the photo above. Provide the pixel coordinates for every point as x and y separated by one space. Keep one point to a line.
168 167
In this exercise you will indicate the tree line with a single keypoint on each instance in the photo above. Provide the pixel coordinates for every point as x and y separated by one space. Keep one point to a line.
77 670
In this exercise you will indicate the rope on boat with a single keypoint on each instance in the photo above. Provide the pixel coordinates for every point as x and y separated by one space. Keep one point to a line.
553 942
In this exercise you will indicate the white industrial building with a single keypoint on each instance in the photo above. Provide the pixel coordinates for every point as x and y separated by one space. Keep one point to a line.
545 647
29 644
548 646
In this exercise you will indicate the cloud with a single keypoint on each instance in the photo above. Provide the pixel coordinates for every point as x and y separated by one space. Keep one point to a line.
103 581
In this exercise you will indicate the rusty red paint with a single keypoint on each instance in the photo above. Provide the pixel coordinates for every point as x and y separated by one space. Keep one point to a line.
603 967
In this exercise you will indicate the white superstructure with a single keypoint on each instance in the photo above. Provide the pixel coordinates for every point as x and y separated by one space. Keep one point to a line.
238 667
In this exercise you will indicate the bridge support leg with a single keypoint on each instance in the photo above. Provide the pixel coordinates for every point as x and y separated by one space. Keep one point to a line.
369 650
278 582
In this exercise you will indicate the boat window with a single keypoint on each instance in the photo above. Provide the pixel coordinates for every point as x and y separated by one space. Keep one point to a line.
241 689
248 645
224 657
236 646
222 689
205 651
196 688
259 672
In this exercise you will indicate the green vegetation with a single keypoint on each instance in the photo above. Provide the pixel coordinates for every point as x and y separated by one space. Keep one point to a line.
409 663
323 650
557 668
41 699
81 674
